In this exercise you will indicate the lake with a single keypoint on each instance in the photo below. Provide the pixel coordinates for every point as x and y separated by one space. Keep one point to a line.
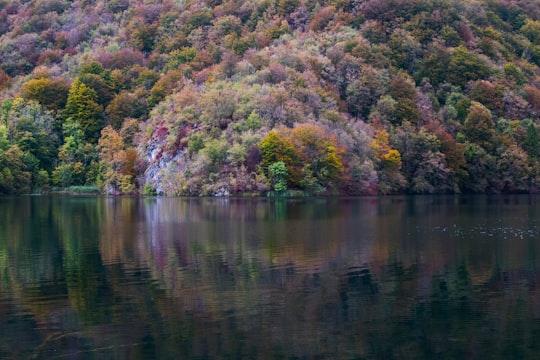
427 277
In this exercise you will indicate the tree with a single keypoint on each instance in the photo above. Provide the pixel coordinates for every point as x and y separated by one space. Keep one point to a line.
113 157
76 157
278 175
312 155
481 169
388 163
286 7
276 147
4 142
488 94
434 65
320 151
464 66
532 94
531 30
50 93
33 129
514 170
531 143
124 105
144 37
69 174
479 126
102 87
424 164
453 151
14 176
359 99
82 108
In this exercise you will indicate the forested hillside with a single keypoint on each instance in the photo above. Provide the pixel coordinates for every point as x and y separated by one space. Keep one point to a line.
232 97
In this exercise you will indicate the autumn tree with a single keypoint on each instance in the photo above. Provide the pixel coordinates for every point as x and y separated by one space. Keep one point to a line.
277 147
479 126
514 170
116 161
50 93
143 36
388 163
488 94
124 105
321 154
313 157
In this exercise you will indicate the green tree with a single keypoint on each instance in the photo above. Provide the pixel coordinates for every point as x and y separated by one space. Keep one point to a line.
531 30
532 142
481 169
4 142
278 175
76 157
464 66
69 174
434 65
33 129
82 107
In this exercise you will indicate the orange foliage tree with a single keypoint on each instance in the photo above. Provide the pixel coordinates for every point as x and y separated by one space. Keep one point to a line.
388 161
118 163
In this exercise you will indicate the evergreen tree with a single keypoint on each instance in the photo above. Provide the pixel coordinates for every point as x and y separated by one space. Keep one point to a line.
82 107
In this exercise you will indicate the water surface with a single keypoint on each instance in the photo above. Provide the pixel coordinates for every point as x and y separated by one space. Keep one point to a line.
354 278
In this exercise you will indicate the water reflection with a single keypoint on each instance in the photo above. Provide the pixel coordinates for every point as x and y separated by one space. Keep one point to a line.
393 277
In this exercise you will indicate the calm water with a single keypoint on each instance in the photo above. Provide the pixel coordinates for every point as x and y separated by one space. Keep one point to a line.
359 278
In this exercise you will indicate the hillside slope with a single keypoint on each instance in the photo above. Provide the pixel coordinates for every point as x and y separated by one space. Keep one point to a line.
231 97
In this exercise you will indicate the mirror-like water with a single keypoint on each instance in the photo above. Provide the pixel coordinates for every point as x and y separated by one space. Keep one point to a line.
356 278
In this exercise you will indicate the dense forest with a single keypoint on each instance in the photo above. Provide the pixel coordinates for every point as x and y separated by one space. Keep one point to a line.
210 97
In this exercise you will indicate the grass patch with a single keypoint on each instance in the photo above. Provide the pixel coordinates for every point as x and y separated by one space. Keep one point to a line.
79 189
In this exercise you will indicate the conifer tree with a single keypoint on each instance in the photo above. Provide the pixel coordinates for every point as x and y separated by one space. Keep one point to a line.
82 107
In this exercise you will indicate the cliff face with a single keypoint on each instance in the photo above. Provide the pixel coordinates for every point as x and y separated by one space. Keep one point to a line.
218 98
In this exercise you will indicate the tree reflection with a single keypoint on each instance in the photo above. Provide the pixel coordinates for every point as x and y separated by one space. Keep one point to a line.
418 277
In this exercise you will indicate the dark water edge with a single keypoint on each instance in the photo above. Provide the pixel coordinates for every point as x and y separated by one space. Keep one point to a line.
319 278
